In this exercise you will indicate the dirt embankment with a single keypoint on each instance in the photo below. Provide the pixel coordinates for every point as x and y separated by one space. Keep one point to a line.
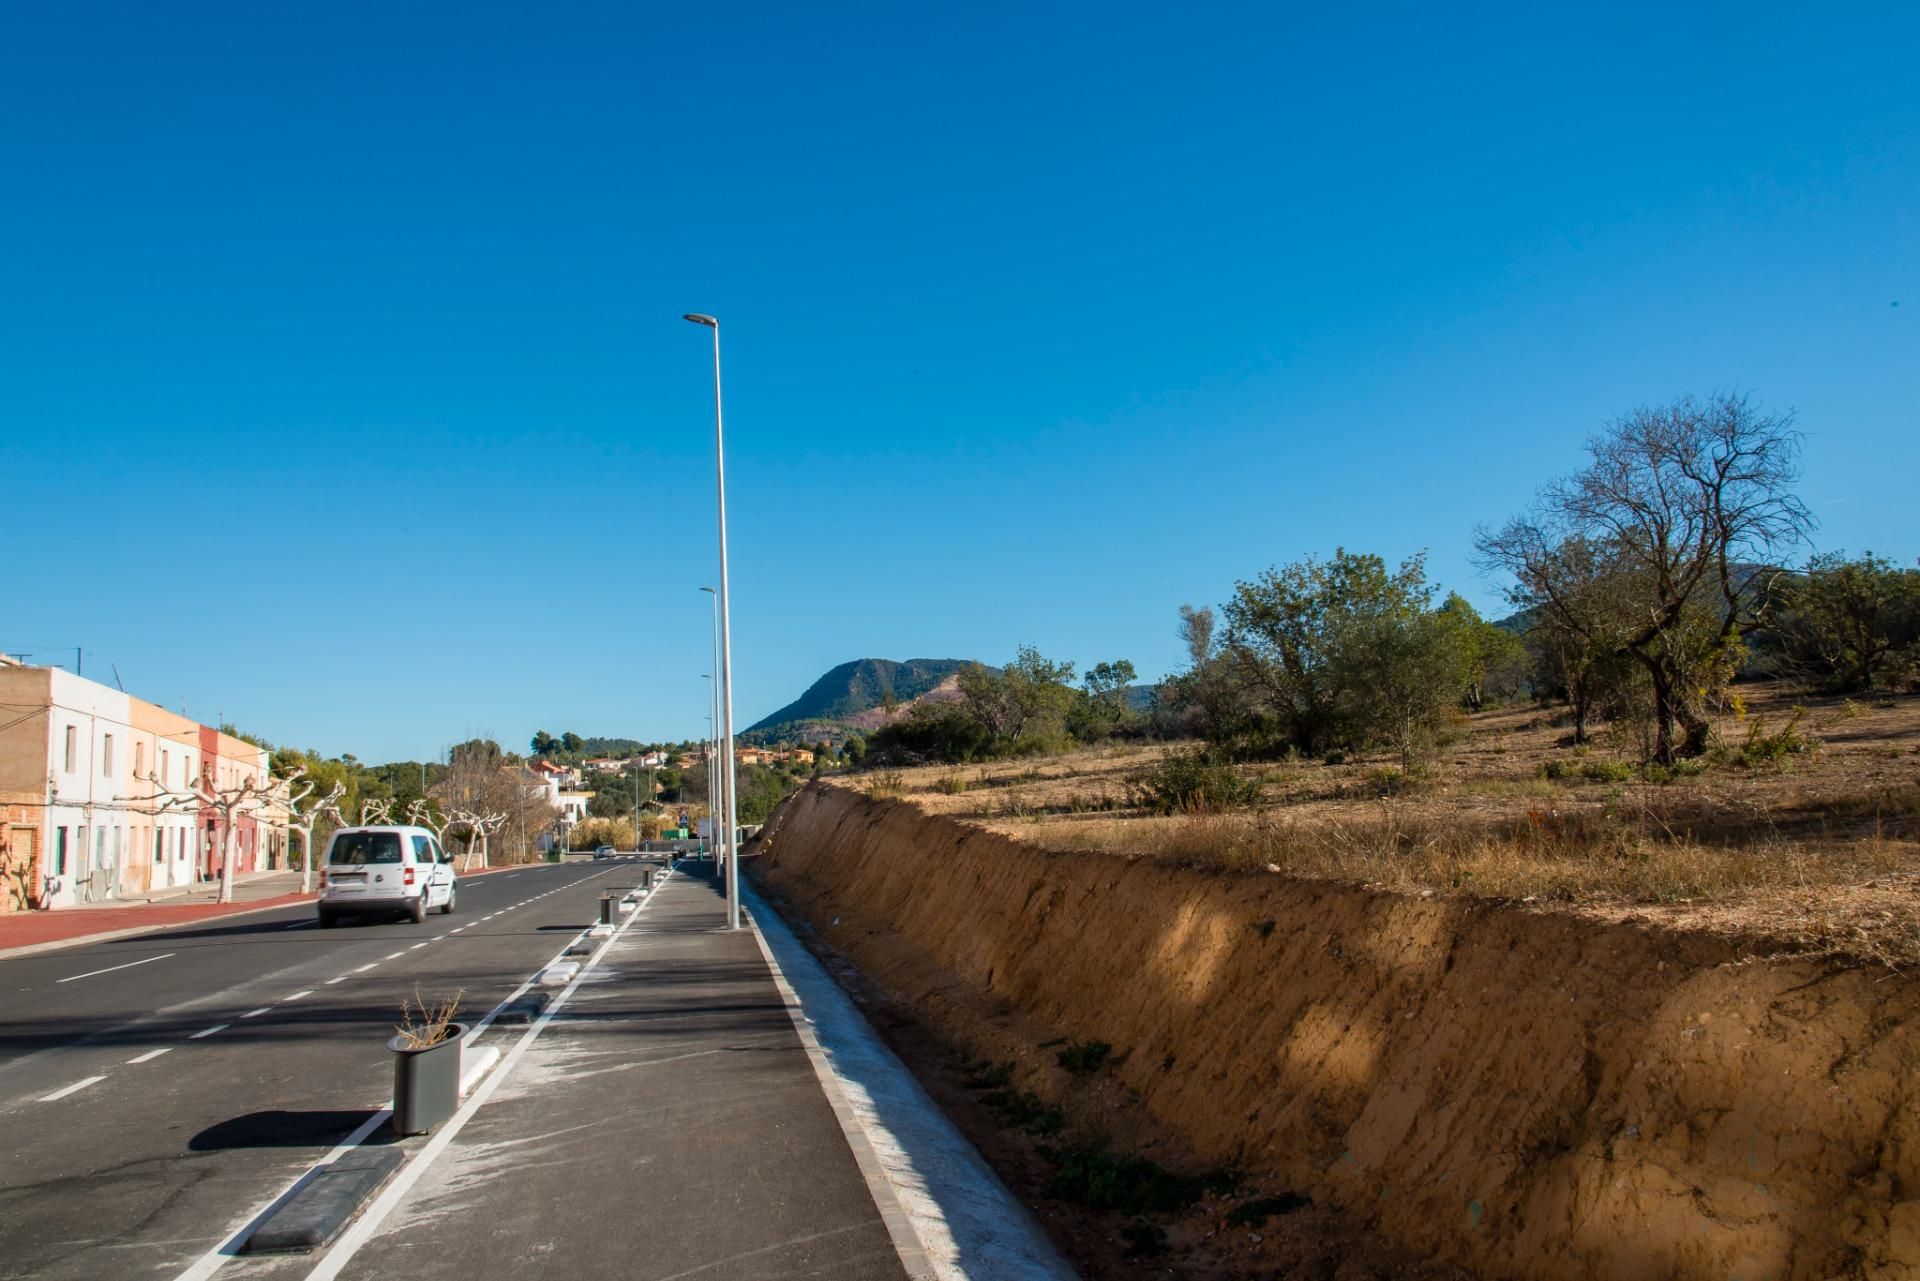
1518 1093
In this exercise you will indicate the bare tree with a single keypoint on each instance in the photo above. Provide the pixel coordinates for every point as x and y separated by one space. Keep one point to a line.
376 811
303 813
1691 505
250 795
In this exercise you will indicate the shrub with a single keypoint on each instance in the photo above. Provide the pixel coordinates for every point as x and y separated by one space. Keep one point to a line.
1335 757
1084 1058
887 783
953 783
1254 1214
1099 1180
1026 1112
1762 748
1191 783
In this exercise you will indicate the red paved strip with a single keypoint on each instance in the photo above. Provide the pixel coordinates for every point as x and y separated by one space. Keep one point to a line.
26 929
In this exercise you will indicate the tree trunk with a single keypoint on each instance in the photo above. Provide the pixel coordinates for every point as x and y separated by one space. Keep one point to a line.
306 858
226 860
1662 712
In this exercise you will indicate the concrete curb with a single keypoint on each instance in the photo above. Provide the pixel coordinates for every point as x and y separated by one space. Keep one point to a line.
135 931
315 1214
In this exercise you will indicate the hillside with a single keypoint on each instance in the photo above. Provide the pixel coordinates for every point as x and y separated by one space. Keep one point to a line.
859 686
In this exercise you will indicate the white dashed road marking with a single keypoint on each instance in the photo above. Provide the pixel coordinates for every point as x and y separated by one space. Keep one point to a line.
254 1014
297 995
150 1055
217 1027
77 1085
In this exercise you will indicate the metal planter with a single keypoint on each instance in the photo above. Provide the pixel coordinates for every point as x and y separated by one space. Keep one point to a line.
426 1083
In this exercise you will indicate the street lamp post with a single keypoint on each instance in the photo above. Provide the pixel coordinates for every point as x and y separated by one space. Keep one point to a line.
726 641
718 794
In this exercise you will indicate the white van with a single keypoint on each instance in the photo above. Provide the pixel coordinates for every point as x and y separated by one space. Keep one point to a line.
385 871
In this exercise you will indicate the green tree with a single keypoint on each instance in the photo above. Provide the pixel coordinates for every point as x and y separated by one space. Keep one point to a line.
1021 707
1851 625
543 742
1493 659
1297 650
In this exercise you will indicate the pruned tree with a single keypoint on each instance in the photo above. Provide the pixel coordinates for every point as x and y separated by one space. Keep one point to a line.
422 813
250 795
479 828
376 811
303 812
1687 507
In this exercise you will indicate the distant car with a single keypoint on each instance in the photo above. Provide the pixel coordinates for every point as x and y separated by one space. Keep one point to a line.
603 851
386 871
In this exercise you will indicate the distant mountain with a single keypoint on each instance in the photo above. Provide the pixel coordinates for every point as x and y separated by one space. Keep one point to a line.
851 689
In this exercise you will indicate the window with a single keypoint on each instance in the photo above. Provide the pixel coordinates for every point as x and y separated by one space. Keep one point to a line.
356 848
422 850
159 842
60 848
106 756
73 749
139 759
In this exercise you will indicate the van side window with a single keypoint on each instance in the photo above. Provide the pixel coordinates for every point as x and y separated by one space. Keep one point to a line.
423 849
361 847
440 853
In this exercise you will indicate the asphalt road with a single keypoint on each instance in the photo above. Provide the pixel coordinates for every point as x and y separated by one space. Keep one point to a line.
152 1089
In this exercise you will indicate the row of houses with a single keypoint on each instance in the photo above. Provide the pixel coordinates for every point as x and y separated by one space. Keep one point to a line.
101 794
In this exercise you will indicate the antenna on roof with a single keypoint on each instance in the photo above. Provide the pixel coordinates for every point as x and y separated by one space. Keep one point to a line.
116 677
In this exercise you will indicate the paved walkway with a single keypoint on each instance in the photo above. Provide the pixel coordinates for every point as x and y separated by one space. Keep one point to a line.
667 1123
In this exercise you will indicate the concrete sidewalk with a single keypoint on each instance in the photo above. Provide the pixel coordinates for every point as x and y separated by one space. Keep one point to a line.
248 887
667 1122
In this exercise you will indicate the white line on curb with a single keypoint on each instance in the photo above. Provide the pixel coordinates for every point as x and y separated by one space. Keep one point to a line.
111 968
77 1085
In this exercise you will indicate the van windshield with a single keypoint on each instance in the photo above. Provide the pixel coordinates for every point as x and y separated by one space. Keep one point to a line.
365 847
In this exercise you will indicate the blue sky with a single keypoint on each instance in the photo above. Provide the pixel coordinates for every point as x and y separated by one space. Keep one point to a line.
343 389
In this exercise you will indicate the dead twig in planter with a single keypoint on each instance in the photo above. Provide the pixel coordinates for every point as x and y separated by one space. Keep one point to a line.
422 1025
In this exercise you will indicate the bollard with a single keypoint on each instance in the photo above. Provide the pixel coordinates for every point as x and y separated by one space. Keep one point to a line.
646 878
606 907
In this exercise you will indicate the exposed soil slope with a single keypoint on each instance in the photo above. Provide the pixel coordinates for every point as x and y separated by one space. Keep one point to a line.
1526 1094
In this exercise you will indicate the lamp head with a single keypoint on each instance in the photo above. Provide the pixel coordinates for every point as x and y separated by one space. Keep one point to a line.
699 319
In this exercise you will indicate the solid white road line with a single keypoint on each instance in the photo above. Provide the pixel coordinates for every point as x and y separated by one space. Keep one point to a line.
111 968
77 1085
254 1014
150 1055
217 1027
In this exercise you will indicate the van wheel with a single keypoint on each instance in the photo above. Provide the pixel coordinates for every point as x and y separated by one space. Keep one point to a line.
446 908
419 911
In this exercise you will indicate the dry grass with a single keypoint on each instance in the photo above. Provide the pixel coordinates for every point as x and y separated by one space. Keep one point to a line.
1814 849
